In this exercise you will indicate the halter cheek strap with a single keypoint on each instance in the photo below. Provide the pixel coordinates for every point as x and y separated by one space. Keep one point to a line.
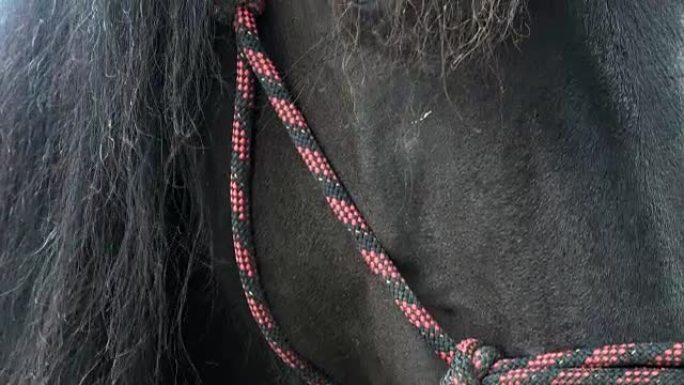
468 361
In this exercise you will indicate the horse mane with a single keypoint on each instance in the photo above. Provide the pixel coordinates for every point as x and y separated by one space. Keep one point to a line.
101 214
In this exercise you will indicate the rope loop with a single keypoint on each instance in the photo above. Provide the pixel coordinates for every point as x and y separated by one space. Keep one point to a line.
471 362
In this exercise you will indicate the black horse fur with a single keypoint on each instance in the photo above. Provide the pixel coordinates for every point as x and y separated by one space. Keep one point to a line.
522 162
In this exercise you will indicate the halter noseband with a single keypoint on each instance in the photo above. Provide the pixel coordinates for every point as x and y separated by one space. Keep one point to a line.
470 363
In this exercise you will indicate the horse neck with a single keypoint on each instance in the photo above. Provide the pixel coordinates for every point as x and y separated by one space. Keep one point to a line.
536 206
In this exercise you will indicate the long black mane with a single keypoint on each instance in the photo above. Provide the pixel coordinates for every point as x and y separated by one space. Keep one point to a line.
101 216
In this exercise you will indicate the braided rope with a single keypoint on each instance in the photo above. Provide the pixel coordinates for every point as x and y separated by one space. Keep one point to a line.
470 363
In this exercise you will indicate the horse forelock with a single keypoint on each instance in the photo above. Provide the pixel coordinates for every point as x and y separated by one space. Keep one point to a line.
420 31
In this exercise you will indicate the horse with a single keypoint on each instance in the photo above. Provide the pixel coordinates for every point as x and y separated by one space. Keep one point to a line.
520 162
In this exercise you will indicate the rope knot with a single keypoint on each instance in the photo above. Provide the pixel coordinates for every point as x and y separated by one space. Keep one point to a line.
256 6
470 363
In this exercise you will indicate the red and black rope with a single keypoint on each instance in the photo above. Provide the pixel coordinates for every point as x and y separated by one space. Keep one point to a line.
470 363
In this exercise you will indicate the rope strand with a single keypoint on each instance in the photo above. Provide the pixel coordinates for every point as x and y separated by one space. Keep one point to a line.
470 363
